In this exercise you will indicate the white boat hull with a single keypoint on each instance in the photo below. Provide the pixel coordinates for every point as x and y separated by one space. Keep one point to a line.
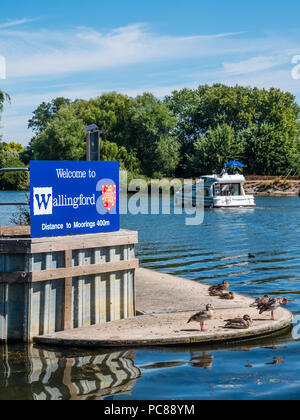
219 192
216 203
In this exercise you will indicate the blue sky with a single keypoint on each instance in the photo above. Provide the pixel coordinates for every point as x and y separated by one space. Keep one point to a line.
80 49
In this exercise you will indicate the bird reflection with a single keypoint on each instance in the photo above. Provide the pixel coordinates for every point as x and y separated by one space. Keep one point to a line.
202 359
277 361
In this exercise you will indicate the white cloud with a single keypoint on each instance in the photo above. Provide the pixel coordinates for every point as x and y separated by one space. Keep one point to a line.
47 53
36 59
281 79
12 23
254 64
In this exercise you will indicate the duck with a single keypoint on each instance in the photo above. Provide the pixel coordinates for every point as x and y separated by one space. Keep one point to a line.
215 292
203 316
227 296
251 255
239 323
220 287
260 301
272 305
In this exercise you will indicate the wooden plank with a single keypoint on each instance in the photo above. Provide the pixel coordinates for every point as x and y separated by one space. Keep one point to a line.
63 243
86 270
121 232
69 272
68 293
14 230
95 240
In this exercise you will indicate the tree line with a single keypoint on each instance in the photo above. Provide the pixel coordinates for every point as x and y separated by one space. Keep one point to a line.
186 134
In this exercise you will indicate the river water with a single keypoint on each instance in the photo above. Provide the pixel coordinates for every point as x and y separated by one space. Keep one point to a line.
216 250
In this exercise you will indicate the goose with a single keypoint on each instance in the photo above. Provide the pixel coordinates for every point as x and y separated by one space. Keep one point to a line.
272 305
203 316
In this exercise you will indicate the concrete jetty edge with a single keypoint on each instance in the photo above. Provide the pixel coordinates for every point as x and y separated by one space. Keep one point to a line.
167 302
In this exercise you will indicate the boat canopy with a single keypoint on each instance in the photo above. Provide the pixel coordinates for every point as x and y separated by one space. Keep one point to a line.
235 163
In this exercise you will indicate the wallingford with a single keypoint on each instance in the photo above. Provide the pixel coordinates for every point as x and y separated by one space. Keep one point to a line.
75 202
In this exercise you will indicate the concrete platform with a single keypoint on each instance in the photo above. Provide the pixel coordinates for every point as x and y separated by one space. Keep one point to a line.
167 302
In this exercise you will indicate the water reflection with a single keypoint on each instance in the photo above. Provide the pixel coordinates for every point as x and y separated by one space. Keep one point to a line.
202 359
45 374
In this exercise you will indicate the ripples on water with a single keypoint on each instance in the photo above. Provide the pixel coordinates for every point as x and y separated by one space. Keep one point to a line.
216 250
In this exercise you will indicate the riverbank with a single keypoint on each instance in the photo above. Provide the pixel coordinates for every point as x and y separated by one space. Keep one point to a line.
273 187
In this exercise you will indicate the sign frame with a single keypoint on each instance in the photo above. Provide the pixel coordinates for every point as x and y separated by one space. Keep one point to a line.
66 198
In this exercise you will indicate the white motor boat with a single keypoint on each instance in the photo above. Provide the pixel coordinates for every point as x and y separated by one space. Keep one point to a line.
218 190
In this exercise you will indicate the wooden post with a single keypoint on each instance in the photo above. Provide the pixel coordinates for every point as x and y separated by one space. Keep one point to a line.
68 293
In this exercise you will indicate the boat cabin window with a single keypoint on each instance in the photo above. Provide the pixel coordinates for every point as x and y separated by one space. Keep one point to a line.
227 190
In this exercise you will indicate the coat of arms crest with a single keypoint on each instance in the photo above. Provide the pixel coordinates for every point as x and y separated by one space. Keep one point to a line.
109 196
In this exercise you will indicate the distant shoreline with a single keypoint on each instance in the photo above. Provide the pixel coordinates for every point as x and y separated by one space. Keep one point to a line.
258 186
273 187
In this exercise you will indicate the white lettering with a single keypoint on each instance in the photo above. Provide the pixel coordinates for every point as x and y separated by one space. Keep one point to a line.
66 173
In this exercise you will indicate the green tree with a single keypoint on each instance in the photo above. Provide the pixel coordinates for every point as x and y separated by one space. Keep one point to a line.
112 152
184 105
167 157
111 112
139 124
241 108
151 125
12 180
2 146
270 151
142 126
45 113
166 136
62 139
3 97
212 151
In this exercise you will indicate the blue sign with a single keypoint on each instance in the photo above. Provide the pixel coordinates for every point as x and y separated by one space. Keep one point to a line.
72 198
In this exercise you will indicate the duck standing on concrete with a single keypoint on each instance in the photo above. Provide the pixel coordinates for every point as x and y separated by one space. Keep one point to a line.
227 296
260 301
219 289
203 316
239 323
272 305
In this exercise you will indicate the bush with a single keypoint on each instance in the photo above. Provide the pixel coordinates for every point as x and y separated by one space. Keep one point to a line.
12 180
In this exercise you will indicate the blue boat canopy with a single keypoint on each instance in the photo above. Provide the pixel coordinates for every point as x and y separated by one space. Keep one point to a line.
235 164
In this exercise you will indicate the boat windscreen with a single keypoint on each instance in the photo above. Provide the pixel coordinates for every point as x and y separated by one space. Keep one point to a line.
227 190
